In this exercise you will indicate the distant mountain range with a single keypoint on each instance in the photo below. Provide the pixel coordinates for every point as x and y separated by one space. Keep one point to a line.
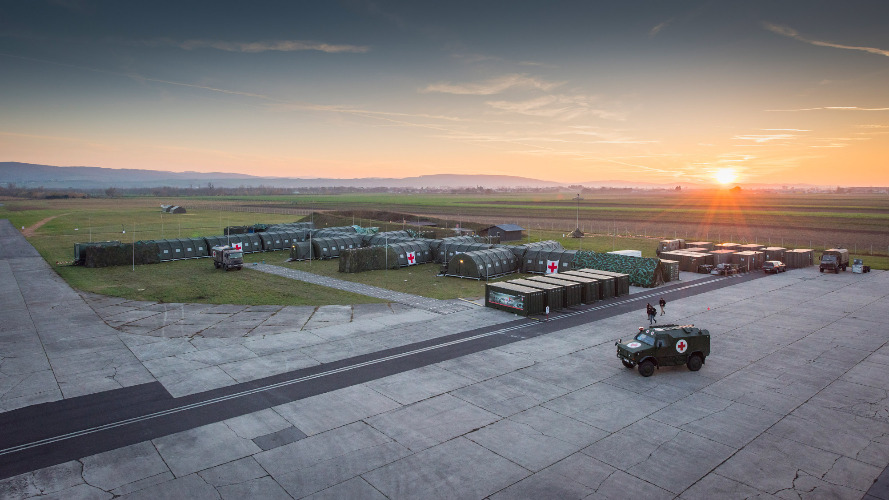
31 175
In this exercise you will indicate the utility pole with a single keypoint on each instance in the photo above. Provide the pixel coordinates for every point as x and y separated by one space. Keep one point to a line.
577 225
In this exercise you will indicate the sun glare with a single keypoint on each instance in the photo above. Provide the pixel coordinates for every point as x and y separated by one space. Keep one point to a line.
725 175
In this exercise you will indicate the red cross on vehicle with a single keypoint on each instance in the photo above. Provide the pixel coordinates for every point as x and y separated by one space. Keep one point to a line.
552 267
681 346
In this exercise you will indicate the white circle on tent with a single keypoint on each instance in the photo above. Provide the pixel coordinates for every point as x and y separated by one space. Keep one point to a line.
633 345
681 346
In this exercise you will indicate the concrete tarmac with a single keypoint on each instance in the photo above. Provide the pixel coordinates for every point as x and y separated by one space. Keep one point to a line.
792 403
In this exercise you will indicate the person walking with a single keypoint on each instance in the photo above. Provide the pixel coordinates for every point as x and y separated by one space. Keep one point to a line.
652 312
662 303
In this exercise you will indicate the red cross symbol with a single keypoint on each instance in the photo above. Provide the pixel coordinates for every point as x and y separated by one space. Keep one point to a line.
410 258
681 346
552 267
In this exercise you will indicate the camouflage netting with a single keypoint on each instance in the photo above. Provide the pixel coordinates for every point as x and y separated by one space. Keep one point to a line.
120 255
357 260
644 272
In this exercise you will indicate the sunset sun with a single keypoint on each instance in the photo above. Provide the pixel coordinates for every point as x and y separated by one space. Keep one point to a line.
725 176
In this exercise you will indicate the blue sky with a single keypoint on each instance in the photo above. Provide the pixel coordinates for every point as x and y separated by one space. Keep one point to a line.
659 91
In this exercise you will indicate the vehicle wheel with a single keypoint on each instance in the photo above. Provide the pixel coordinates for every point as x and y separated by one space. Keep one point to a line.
694 362
627 363
646 368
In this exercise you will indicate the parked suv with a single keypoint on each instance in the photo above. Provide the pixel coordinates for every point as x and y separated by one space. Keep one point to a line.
774 266
666 345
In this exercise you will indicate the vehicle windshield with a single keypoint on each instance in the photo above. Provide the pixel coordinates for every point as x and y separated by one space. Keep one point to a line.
829 258
235 255
645 338
769 264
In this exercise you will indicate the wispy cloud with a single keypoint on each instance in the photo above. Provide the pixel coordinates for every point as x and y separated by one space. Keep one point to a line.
657 29
832 108
603 136
761 139
261 46
493 85
561 107
792 33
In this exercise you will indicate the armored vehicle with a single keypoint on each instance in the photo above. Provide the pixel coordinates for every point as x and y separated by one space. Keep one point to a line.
665 345
226 257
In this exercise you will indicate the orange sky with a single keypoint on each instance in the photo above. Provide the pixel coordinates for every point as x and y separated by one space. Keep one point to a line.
769 93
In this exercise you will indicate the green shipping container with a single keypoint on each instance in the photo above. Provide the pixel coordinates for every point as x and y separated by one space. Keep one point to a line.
609 283
623 281
589 291
554 294
515 299
573 290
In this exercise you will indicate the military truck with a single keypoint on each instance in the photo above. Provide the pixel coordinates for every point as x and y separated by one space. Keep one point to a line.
834 259
228 258
665 345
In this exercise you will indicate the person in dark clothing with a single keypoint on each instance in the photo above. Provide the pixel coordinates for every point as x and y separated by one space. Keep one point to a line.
652 312
662 303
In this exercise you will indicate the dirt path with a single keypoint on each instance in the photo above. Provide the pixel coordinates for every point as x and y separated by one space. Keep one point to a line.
30 230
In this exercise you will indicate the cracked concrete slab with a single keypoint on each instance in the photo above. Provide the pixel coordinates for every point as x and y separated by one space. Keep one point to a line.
785 406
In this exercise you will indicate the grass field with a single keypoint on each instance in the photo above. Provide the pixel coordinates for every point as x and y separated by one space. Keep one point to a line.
196 280
702 207
859 222
547 217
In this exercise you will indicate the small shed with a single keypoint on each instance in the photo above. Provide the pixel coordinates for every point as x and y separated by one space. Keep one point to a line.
506 232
